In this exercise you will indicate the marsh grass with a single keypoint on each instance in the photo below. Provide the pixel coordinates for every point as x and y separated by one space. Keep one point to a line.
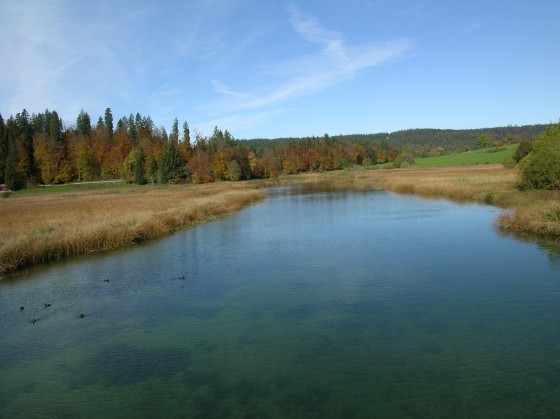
38 228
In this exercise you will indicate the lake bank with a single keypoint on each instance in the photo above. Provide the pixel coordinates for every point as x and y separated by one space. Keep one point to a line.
46 227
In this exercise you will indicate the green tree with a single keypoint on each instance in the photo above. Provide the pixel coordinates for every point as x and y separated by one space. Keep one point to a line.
132 129
24 137
83 124
522 150
172 164
174 136
86 164
186 135
540 169
109 123
483 141
139 167
233 171
54 127
11 177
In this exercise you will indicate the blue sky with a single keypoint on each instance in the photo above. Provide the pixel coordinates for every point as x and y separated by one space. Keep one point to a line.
285 68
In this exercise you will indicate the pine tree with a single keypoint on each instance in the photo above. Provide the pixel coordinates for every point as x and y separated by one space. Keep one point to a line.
186 135
132 129
172 164
175 131
83 124
109 123
11 177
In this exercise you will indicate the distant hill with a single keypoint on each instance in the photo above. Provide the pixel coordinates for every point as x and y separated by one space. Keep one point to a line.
448 139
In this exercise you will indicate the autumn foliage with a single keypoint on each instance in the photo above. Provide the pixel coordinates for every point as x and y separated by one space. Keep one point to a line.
41 149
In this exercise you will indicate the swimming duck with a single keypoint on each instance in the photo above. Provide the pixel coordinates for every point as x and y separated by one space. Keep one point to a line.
47 305
21 308
81 316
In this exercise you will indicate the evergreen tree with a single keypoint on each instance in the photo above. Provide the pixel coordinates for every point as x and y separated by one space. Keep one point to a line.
172 164
175 131
109 123
139 169
186 135
11 177
25 137
132 129
83 124
54 127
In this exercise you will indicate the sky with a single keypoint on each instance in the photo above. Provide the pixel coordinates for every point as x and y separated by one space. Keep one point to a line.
269 69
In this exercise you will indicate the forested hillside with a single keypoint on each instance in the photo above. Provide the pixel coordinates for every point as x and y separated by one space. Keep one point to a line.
41 149
429 138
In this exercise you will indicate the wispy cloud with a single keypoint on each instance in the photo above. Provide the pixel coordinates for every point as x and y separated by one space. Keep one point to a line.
57 58
333 63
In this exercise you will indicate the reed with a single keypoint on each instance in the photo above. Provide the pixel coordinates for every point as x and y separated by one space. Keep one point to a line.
45 227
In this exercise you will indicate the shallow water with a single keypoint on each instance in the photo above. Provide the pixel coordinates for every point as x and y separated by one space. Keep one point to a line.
336 304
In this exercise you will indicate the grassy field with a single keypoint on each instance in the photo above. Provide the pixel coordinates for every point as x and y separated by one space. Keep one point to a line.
475 157
60 223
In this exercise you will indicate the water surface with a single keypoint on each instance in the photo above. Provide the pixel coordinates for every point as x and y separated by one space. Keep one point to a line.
334 304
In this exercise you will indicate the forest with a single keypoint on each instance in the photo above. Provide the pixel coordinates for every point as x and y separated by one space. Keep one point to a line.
40 149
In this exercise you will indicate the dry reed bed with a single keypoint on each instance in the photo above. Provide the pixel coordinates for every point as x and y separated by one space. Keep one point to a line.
41 228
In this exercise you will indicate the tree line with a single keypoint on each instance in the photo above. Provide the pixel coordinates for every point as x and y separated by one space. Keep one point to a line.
41 149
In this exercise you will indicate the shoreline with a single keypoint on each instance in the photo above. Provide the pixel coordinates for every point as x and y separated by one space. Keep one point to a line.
44 228
40 228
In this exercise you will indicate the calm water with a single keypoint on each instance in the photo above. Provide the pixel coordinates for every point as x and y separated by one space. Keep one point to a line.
319 305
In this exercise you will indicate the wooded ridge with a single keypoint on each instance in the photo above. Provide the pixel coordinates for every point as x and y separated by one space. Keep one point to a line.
41 149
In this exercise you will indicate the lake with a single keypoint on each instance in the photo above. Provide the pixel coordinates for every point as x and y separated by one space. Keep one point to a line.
331 304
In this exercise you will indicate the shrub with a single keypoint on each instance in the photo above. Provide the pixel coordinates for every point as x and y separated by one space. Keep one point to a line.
522 150
540 169
509 163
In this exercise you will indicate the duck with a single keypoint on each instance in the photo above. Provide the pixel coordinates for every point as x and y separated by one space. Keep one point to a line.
181 277
106 280
21 308
34 321
47 305
81 316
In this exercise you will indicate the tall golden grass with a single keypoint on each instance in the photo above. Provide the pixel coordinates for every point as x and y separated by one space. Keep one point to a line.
46 227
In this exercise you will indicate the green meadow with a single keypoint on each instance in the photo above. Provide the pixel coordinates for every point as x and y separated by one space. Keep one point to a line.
482 156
